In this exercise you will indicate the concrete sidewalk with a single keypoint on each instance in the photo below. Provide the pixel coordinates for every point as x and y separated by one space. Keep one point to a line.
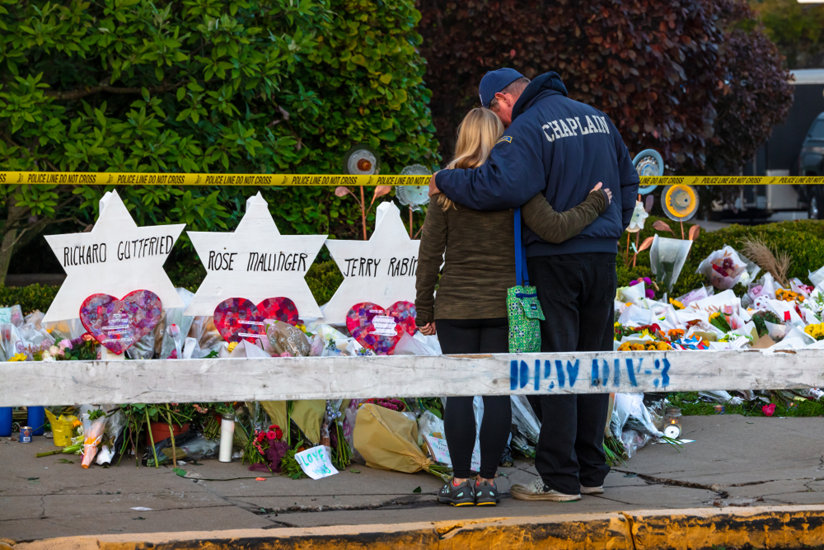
744 480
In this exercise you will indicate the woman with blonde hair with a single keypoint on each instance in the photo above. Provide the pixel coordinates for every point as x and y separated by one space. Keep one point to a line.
478 256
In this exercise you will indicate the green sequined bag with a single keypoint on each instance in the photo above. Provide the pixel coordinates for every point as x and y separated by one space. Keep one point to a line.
522 306
525 316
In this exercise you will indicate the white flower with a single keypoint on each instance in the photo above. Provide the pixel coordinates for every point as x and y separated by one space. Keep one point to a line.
639 217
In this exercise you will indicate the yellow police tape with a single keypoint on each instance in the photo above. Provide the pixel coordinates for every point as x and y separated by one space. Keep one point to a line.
305 180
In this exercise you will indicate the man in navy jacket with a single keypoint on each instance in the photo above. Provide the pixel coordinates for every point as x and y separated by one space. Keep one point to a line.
560 147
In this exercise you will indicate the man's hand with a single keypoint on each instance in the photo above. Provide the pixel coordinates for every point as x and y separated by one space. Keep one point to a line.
433 187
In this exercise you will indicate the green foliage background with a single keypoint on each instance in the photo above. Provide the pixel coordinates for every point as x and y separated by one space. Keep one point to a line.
227 86
797 29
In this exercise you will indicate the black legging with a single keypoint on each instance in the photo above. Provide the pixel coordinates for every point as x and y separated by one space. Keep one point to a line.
475 336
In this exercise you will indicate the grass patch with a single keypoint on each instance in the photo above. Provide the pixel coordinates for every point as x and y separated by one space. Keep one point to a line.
787 404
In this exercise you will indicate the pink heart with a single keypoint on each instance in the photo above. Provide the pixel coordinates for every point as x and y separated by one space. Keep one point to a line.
380 329
117 324
239 318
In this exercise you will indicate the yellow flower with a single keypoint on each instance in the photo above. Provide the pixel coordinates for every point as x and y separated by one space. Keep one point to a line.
232 346
676 304
636 347
714 315
815 330
624 347
18 357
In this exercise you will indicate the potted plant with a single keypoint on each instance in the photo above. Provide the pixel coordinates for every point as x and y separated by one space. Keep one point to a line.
159 420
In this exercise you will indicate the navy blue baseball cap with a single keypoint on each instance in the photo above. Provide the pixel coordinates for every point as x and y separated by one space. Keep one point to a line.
495 81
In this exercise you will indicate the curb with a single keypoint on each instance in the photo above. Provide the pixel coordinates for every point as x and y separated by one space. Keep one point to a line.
788 527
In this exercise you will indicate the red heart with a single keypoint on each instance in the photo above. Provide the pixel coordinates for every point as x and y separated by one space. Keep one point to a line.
239 318
117 324
380 329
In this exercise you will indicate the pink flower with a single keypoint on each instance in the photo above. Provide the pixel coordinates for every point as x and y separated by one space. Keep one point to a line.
271 436
65 344
768 410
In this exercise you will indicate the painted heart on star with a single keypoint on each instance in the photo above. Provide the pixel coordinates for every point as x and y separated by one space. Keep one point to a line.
117 324
380 329
239 318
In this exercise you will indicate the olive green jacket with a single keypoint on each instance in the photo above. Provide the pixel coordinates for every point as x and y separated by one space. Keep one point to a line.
477 252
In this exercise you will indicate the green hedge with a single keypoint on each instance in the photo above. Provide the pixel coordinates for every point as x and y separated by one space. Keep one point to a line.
803 240
31 297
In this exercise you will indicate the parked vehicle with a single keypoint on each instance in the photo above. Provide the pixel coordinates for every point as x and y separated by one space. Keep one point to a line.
779 156
811 163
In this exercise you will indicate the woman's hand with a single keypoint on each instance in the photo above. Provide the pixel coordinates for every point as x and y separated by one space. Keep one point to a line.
598 186
428 329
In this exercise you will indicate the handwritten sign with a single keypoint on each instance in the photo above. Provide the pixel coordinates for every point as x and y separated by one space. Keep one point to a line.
316 462
381 270
439 450
255 262
115 257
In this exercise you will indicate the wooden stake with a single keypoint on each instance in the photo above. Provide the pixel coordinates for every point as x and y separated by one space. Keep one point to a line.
363 212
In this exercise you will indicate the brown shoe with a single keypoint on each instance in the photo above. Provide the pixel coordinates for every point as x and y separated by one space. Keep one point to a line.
537 490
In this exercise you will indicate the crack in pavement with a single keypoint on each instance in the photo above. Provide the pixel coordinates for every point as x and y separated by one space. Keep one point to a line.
398 503
721 493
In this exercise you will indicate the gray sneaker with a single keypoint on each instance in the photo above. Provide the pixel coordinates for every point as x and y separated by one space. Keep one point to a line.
486 494
598 490
458 495
537 490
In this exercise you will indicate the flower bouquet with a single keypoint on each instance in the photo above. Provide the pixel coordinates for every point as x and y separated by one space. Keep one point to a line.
333 431
666 258
388 440
266 449
724 268
815 330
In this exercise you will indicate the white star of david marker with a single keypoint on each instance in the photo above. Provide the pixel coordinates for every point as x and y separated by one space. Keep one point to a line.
115 257
380 270
255 262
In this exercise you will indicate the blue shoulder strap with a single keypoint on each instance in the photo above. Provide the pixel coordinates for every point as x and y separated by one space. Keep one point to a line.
521 276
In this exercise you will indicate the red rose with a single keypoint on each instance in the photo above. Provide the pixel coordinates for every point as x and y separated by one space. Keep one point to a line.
768 410
270 436
278 433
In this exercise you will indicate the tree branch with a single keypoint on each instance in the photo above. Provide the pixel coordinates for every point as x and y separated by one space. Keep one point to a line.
104 86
